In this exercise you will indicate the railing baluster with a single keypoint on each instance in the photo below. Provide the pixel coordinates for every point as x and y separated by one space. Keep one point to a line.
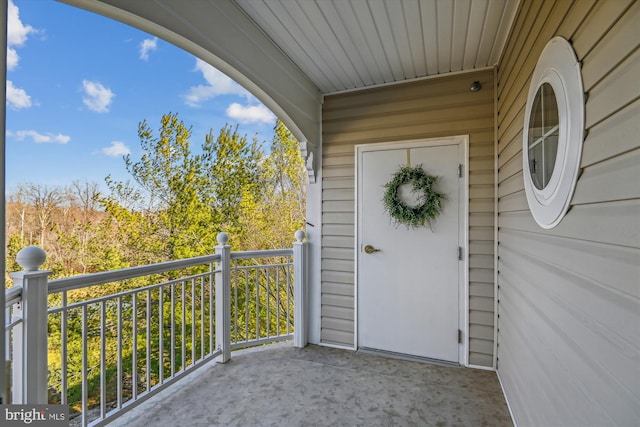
148 342
85 367
173 329
119 359
103 359
64 350
134 346
184 326
202 325
160 335
193 321
211 308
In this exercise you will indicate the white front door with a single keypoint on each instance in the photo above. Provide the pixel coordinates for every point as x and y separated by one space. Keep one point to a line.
409 292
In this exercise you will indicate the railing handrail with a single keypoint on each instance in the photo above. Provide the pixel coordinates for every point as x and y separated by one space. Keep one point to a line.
92 279
262 253
13 296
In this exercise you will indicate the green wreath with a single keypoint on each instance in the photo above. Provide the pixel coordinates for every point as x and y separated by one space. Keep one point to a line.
429 200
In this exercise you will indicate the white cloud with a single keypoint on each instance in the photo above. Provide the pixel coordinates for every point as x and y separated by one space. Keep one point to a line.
40 138
217 83
116 149
250 113
17 34
17 98
97 97
147 46
12 59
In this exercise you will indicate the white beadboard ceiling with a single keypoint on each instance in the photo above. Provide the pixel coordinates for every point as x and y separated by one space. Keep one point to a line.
349 44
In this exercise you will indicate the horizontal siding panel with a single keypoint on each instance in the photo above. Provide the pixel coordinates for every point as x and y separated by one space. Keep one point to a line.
484 318
482 304
598 22
409 131
612 223
339 206
381 110
339 183
481 346
481 191
335 324
481 177
615 179
481 233
337 265
481 332
510 185
338 172
337 161
512 149
337 151
481 261
481 275
343 277
338 194
338 218
337 300
338 288
481 149
481 163
513 166
479 359
337 253
612 270
616 135
597 359
615 91
481 219
515 202
338 312
613 48
338 241
481 205
481 289
338 230
340 338
481 247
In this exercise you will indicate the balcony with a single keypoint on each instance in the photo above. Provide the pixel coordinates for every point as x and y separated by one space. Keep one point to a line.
149 344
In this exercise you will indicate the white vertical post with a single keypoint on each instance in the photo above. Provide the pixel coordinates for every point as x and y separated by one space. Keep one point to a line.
30 374
223 298
3 90
300 291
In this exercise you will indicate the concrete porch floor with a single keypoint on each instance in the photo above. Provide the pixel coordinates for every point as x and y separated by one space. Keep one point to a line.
279 385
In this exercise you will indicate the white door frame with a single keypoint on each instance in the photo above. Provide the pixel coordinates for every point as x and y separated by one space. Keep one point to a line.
463 240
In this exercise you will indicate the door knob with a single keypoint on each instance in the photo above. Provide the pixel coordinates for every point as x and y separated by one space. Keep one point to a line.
370 249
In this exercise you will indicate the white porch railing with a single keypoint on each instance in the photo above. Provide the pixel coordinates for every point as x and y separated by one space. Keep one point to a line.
104 342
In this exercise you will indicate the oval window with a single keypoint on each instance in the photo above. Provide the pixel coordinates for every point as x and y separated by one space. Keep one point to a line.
553 133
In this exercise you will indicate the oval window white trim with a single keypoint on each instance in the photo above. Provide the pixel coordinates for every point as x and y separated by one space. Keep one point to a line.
559 67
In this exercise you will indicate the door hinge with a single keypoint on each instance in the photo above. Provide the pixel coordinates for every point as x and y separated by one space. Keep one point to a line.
459 336
459 170
459 253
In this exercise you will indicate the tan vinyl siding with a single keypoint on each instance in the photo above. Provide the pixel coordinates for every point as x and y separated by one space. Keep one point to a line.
417 110
569 341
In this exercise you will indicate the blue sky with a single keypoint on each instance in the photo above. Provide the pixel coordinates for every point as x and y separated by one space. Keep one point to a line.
78 85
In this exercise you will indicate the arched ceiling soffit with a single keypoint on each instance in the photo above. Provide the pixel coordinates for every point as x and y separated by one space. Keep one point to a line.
219 33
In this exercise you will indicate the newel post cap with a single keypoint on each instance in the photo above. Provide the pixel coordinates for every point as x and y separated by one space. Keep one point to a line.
31 258
222 238
299 236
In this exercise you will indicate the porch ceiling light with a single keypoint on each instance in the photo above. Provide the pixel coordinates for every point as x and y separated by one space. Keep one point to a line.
475 86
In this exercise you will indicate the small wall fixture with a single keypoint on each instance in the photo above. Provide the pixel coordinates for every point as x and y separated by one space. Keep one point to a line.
475 86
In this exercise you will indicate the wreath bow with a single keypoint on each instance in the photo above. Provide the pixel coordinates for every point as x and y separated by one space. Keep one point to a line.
429 203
